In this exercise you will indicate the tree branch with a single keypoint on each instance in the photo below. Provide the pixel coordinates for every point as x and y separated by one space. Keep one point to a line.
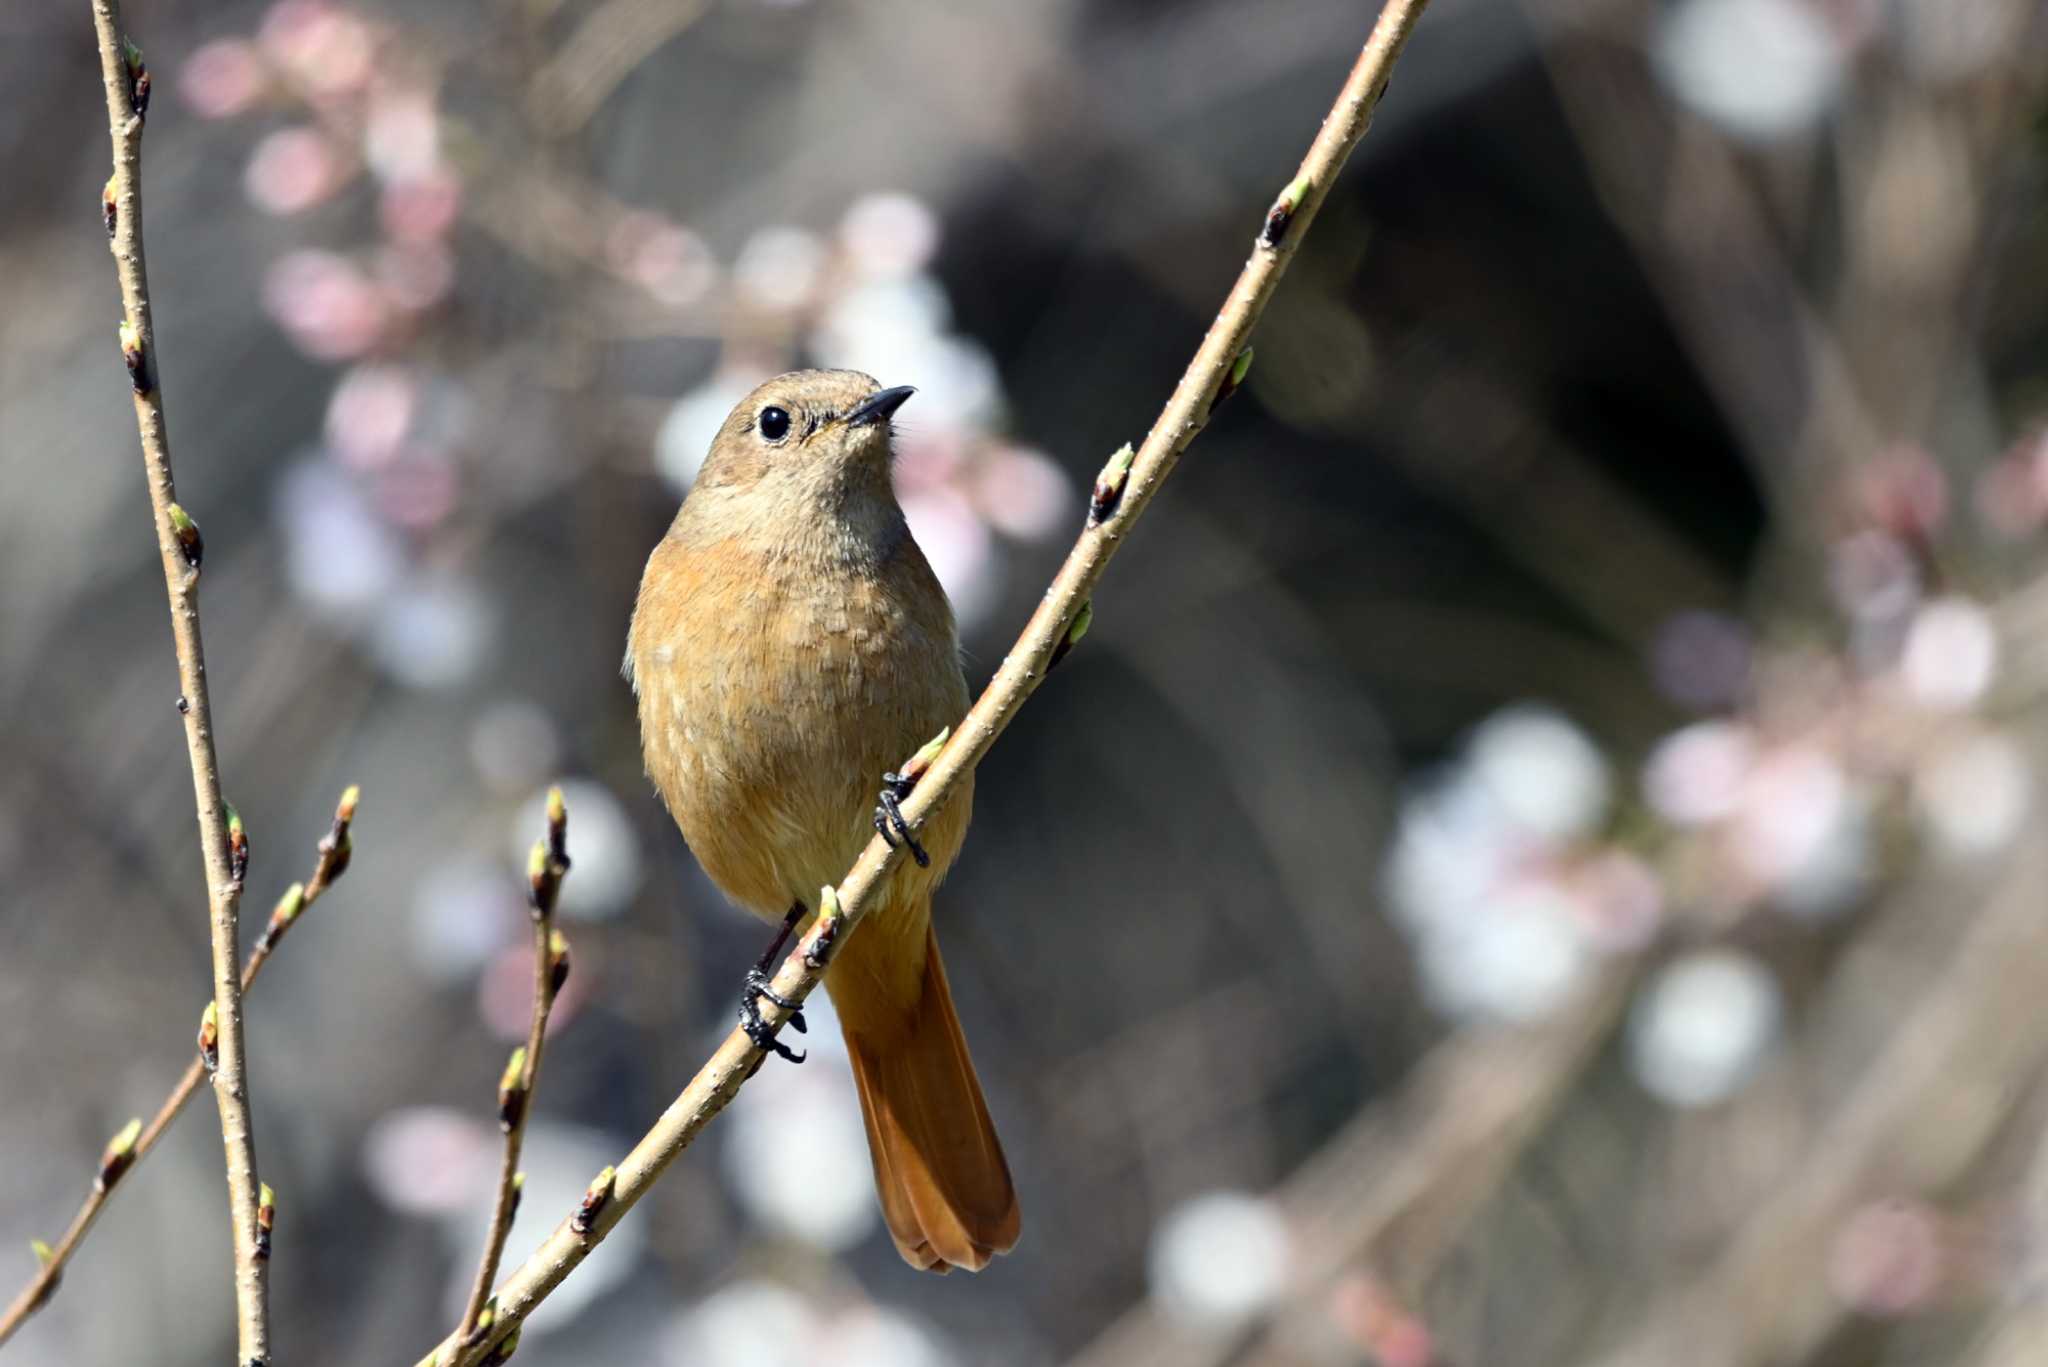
335 849
1123 492
549 863
222 843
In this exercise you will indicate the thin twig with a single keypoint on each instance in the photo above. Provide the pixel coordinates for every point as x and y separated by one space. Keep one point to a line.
1121 496
178 542
544 873
332 861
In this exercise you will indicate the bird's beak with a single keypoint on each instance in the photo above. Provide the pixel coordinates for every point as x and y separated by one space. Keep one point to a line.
877 406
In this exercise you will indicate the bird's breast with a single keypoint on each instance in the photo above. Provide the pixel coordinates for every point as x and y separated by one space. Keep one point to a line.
774 694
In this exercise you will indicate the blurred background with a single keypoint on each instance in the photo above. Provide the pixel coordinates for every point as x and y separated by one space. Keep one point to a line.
1536 862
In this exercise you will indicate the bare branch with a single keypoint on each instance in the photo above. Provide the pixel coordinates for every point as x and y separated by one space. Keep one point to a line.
225 852
332 861
545 870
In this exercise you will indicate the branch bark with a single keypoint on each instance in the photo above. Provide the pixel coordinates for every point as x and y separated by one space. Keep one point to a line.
1125 490
179 545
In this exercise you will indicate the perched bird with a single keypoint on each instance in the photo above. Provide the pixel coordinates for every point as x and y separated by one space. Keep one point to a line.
789 646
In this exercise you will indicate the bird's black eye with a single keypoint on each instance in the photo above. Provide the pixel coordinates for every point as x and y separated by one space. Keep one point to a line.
774 423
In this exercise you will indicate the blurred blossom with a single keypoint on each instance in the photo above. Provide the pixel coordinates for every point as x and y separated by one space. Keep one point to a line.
876 1336
1701 1027
957 542
433 632
1489 875
794 1150
1022 493
780 267
514 745
1973 793
1547 776
504 993
1839 869
747 1323
464 910
2012 492
1701 660
325 304
957 378
687 432
339 556
929 458
601 842
402 135
880 321
1516 963
1887 1258
1452 846
420 208
419 489
889 235
559 1161
1873 576
325 48
1373 1319
1903 492
429 1160
1218 1259
1951 654
1802 832
1621 902
666 259
1762 69
370 413
1696 775
291 170
222 78
880 329
415 275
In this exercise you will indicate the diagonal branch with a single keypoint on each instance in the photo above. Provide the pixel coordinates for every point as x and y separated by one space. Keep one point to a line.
222 844
334 851
544 873
1126 487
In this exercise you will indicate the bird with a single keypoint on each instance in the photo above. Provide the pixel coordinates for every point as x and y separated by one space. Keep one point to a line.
789 645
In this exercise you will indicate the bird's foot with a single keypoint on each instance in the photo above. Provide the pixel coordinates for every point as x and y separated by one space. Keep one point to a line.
889 822
757 1028
757 986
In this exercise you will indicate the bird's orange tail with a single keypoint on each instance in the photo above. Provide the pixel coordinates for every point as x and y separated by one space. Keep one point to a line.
939 1170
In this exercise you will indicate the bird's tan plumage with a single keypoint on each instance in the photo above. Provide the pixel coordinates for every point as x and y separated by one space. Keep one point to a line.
790 644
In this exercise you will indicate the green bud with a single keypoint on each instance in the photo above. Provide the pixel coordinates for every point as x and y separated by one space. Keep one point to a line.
595 1198
119 1155
191 545
512 1090
1109 485
1084 617
914 768
1239 368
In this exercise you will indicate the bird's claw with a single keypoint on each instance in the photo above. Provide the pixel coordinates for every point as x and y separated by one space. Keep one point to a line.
759 1030
889 822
